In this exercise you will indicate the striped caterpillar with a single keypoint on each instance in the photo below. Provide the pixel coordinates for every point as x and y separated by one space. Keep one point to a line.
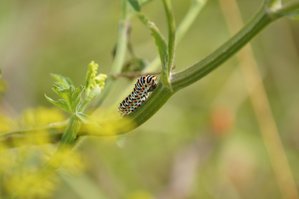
144 85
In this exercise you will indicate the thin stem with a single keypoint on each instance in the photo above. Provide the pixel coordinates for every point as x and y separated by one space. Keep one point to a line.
12 137
121 49
289 8
122 40
171 38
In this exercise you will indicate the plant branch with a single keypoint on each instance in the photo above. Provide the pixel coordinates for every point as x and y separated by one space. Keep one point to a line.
171 41
224 52
53 130
288 9
120 52
70 133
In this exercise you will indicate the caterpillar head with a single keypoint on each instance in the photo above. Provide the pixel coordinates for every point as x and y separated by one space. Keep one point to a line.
150 82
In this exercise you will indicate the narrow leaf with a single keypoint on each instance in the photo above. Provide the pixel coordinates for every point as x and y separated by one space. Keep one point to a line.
61 82
58 103
135 5
159 39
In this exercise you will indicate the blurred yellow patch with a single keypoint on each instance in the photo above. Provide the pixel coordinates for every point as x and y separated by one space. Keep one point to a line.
67 159
6 159
23 169
6 124
36 119
140 195
105 123
37 138
28 172
31 185
40 116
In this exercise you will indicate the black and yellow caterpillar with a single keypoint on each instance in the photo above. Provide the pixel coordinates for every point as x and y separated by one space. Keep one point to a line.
144 85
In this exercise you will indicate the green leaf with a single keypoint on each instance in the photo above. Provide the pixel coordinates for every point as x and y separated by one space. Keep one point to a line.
64 88
75 99
59 103
160 43
166 51
61 83
135 4
159 39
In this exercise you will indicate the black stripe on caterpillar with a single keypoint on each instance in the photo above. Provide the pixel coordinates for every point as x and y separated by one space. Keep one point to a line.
144 85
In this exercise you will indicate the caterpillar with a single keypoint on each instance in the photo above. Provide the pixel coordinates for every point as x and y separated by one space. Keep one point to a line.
144 85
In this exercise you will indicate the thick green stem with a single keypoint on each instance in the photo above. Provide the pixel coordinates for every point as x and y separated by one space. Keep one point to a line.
157 99
71 131
214 60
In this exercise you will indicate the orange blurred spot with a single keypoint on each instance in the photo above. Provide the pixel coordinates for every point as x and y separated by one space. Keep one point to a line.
222 120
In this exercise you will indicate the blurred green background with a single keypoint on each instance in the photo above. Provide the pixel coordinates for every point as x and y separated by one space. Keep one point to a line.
204 143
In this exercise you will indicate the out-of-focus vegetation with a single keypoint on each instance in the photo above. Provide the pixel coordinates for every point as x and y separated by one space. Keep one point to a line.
206 141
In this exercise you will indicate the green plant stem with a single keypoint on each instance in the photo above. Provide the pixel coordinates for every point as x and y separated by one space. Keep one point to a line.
15 138
70 133
121 49
214 60
171 42
122 40
264 17
289 8
157 99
